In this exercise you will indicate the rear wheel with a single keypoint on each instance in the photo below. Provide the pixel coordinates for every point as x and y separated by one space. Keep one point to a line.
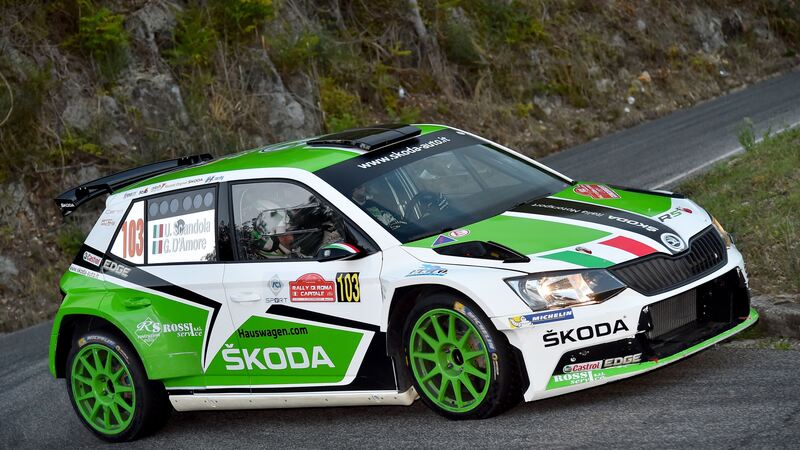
461 366
109 389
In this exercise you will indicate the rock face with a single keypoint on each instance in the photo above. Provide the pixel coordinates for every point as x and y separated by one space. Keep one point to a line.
709 28
779 314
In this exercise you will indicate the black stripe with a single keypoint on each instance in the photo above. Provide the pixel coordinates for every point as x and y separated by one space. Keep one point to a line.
600 215
297 313
139 277
79 258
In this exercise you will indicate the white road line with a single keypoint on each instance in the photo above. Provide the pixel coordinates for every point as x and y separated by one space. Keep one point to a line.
726 155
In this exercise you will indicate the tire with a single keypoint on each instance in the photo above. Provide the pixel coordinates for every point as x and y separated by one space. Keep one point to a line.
462 367
109 389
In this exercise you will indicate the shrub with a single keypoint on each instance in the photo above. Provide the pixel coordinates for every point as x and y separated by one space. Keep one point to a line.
341 109
102 35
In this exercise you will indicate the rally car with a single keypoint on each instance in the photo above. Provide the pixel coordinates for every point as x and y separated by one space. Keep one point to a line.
376 266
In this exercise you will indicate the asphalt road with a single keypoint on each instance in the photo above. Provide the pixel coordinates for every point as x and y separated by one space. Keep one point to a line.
722 398
659 153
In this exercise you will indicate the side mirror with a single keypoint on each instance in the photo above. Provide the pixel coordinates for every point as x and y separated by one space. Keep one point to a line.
338 251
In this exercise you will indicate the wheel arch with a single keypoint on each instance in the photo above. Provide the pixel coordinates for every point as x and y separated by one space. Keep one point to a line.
402 302
72 324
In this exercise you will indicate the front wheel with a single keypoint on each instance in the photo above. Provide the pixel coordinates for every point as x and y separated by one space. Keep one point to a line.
109 389
461 366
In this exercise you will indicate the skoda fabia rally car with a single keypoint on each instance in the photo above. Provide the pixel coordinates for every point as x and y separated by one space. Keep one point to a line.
377 266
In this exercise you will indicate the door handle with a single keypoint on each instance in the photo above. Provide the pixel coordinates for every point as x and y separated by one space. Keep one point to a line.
136 302
245 297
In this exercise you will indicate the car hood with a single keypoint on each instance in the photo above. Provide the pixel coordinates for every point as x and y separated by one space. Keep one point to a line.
587 225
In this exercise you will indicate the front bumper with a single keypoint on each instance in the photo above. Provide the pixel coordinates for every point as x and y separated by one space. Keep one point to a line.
633 333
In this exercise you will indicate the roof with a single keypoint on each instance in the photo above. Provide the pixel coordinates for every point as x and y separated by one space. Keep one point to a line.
292 154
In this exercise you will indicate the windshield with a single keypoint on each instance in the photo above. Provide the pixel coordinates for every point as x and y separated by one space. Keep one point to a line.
438 182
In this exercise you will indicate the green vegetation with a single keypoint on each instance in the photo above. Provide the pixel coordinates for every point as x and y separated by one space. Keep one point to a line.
755 197
102 35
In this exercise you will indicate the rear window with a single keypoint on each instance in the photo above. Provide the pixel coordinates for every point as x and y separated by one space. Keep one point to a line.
181 227
174 228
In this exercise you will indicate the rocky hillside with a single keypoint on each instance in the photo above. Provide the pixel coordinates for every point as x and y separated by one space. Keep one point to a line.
88 87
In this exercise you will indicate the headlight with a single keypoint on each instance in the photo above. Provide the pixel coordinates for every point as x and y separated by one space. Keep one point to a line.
722 233
562 289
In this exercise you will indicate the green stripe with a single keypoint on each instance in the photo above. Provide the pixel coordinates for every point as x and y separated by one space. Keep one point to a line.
524 235
295 155
580 259
647 365
635 202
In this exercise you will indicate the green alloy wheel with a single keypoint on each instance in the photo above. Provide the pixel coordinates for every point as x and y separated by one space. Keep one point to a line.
450 360
102 389
109 389
456 359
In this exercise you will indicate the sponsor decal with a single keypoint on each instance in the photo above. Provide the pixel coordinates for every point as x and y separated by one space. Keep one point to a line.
540 317
348 289
148 330
603 363
312 287
458 233
116 268
92 259
582 367
67 205
673 214
583 250
622 360
213 178
409 150
596 191
673 242
463 309
442 239
428 270
273 333
275 285
108 222
576 378
552 338
275 358
84 271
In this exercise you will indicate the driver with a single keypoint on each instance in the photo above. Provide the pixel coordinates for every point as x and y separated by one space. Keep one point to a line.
268 236
377 211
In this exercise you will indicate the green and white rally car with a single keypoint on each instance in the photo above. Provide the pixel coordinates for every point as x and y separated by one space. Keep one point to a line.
375 266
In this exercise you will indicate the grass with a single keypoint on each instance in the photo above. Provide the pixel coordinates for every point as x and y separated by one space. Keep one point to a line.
756 198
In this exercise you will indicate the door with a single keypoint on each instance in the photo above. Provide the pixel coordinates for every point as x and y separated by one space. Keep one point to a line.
170 295
301 318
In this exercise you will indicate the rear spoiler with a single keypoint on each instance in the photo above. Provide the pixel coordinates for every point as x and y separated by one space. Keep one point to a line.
70 200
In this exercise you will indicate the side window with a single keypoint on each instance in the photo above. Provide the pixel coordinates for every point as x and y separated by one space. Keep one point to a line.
129 243
282 221
181 227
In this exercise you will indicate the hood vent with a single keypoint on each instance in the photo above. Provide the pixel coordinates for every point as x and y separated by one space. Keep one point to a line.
483 250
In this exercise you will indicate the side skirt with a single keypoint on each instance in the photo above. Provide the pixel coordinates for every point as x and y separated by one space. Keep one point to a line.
197 402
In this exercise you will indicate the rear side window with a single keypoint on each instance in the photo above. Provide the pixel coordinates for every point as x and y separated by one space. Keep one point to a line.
181 227
129 243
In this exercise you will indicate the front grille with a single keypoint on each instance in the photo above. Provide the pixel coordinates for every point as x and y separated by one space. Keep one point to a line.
672 313
659 273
